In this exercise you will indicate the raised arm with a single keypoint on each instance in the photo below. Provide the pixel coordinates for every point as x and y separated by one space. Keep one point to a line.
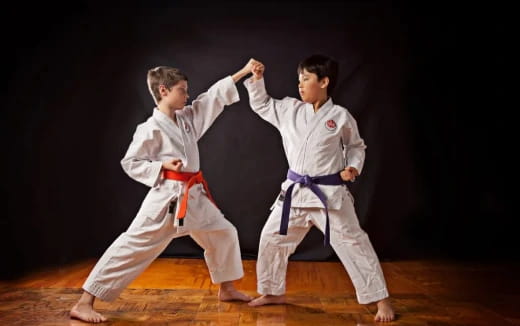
210 104
268 108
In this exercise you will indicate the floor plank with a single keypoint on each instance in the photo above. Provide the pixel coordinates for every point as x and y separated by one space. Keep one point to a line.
174 291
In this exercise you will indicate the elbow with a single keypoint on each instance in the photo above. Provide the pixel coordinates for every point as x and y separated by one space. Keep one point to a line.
255 106
126 163
259 106
360 145
129 165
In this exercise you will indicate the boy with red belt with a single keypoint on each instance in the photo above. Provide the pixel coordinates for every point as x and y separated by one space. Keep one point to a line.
164 156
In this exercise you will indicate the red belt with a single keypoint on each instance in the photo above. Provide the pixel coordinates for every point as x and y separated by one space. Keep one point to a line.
189 179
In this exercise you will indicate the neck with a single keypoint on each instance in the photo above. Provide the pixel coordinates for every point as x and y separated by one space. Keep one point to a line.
319 102
168 111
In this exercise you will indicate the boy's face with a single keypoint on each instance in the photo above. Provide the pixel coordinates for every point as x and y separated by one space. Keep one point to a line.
177 96
311 89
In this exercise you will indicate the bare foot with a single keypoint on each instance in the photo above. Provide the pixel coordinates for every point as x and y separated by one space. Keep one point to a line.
86 313
232 294
385 312
267 299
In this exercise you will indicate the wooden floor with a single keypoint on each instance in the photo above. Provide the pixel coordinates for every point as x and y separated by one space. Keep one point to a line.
179 292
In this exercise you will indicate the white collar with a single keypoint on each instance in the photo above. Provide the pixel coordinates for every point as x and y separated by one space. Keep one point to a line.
166 123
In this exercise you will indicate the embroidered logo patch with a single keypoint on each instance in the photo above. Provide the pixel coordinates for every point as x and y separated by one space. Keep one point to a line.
330 125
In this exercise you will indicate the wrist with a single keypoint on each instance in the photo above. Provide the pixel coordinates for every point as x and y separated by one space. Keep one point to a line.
238 75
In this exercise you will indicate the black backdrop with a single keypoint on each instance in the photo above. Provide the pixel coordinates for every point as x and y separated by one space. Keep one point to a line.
421 83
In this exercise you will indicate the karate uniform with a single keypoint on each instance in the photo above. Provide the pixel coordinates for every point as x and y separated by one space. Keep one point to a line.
157 140
315 144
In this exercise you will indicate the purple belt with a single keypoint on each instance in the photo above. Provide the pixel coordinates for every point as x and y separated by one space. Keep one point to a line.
311 183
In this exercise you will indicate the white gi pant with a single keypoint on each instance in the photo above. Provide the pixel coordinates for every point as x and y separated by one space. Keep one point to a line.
348 240
134 250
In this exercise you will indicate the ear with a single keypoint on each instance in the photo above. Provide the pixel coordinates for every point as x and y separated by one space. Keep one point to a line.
163 90
324 82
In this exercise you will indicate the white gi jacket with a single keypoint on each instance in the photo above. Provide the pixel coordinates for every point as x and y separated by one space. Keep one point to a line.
315 144
159 139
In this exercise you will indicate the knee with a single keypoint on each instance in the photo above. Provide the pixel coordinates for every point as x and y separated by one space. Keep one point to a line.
230 233
350 237
268 239
274 244
232 230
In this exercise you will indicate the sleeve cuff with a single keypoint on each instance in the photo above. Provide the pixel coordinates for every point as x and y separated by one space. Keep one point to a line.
252 82
230 91
156 168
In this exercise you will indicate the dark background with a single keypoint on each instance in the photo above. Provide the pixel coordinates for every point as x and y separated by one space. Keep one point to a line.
425 84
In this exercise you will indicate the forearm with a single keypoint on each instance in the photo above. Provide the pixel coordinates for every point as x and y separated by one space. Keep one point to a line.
355 158
144 171
240 74
207 106
354 145
258 97
139 161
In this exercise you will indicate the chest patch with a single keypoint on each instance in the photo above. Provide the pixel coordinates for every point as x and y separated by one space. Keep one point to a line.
330 125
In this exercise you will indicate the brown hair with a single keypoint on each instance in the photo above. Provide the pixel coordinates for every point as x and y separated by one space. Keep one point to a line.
163 75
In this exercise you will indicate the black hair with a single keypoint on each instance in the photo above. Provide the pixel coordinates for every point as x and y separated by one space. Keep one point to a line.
322 66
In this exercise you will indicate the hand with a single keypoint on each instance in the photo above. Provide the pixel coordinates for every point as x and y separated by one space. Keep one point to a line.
173 165
349 174
247 69
258 70
249 65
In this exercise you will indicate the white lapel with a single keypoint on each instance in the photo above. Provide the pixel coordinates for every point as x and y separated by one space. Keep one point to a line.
313 119
168 126
191 150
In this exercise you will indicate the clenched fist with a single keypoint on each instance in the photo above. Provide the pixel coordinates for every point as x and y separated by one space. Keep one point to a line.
173 165
349 174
